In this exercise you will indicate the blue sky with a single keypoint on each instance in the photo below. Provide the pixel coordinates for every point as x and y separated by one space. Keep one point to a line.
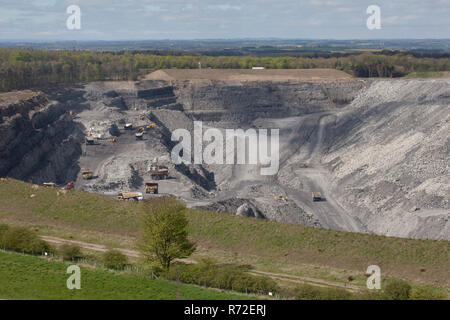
222 19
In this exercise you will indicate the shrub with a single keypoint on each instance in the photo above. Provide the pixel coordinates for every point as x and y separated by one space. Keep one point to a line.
234 277
397 290
70 252
114 259
309 292
3 229
425 293
23 240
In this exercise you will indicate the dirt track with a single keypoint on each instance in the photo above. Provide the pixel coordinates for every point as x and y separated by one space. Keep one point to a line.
278 276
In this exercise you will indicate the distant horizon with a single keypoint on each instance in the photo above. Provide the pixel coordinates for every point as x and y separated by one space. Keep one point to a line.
153 20
220 39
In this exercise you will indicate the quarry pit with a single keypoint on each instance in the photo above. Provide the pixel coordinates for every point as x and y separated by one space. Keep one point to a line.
376 150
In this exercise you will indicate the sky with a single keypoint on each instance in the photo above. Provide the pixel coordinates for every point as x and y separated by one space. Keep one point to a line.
44 20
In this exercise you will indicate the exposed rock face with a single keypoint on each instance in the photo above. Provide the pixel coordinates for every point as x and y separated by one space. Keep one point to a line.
390 152
36 141
377 150
242 103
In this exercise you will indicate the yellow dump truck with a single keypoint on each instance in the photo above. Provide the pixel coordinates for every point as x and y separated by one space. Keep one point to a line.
139 135
158 173
151 187
87 174
49 184
130 196
316 196
128 126
90 140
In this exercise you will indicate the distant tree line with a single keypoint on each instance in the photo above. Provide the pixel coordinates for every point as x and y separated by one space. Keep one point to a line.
21 68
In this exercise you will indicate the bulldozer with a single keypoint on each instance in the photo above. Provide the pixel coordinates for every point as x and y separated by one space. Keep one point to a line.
130 196
87 174
151 187
69 186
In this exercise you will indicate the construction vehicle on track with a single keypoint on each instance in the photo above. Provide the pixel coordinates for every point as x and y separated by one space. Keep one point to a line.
281 198
87 174
159 173
316 196
69 186
151 187
303 165
130 196
49 184
90 140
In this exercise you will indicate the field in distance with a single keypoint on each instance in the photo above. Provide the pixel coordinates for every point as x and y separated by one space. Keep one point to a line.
293 75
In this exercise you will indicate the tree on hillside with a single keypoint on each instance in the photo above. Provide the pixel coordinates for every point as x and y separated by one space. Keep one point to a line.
163 232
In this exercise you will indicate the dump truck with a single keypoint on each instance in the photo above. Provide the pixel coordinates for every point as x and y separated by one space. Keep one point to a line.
151 187
72 113
49 184
130 196
139 135
90 140
87 174
316 196
113 139
142 116
128 126
158 173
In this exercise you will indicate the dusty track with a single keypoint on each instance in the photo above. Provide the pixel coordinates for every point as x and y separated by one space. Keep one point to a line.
277 276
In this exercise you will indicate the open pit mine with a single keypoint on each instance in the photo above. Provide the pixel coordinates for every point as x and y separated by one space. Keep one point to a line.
356 155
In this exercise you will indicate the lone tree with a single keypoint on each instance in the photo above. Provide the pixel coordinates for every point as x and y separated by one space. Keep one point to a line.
163 234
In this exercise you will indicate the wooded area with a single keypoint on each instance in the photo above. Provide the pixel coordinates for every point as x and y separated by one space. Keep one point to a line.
21 69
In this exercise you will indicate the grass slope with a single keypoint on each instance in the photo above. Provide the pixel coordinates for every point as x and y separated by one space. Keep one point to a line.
91 217
30 277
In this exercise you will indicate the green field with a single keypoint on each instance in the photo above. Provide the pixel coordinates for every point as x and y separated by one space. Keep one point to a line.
429 74
31 277
267 245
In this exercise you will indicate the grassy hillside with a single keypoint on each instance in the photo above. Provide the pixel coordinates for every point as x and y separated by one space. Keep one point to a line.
30 277
271 246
